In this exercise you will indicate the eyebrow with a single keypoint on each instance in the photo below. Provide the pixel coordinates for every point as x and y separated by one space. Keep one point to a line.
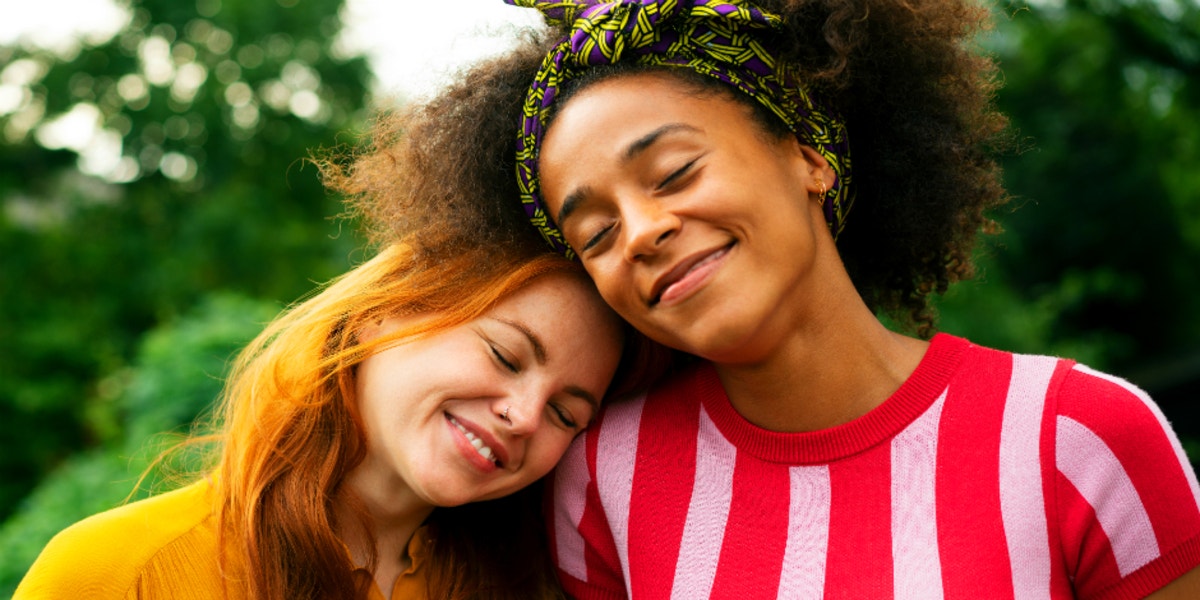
539 353
583 394
539 349
637 147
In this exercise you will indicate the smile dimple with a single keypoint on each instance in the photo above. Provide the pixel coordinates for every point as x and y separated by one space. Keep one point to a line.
483 449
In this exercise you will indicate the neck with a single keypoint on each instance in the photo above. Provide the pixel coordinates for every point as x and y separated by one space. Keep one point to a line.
832 362
810 387
393 515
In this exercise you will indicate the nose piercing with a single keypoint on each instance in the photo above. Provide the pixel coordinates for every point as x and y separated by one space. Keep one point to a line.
504 415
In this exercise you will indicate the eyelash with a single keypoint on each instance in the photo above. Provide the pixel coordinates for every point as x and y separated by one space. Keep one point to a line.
597 238
563 416
507 364
676 175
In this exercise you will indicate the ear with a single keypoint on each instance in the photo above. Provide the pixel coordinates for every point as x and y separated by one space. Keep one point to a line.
820 174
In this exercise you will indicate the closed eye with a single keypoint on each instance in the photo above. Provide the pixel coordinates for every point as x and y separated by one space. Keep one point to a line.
506 363
564 416
597 238
678 173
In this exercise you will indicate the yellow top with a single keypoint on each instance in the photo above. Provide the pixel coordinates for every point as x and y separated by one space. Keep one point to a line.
160 547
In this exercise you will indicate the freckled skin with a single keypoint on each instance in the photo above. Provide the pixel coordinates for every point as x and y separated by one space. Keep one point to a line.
407 391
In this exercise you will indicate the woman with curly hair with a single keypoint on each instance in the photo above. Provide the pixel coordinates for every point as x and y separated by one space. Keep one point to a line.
369 439
700 158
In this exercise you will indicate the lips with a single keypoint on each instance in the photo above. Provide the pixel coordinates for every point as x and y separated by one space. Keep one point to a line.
485 444
676 282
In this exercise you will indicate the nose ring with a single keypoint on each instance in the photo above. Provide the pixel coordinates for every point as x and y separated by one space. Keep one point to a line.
504 415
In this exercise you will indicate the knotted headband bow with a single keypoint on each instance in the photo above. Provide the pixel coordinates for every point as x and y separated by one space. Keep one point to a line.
719 38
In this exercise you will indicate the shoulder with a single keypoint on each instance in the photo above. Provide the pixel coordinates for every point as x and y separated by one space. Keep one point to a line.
691 385
1075 400
1103 423
1083 415
675 399
104 555
1106 405
1128 501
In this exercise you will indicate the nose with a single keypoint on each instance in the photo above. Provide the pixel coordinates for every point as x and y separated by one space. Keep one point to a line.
648 225
520 413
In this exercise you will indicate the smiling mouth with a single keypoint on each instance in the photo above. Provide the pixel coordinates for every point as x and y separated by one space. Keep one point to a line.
483 449
682 270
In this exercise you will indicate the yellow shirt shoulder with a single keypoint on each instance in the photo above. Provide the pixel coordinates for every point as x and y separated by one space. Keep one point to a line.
165 546
161 547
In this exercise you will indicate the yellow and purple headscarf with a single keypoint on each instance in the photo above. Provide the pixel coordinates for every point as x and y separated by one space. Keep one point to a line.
719 38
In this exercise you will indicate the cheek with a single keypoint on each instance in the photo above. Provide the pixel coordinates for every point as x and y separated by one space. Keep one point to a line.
616 285
546 454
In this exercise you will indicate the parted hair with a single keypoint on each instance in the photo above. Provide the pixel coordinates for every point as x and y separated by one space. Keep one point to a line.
906 75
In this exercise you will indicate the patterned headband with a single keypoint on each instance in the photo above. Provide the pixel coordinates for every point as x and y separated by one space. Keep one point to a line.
717 38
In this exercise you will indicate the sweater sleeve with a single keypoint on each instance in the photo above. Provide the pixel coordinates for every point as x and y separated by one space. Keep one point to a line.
582 546
1127 500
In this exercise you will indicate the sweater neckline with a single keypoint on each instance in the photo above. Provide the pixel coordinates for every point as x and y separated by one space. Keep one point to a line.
913 398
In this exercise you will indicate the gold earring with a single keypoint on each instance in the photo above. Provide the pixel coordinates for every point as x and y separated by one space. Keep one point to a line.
824 188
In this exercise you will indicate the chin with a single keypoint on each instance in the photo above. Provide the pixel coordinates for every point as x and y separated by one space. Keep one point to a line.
493 495
727 345
451 496
453 501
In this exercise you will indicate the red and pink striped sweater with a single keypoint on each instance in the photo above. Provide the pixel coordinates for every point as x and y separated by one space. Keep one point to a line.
986 475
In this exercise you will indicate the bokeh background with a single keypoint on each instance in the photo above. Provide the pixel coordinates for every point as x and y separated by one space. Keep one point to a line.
157 208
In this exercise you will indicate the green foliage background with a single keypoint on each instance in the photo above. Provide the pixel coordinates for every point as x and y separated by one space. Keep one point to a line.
125 290
124 295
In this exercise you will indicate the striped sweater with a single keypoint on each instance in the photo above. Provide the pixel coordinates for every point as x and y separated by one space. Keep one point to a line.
986 475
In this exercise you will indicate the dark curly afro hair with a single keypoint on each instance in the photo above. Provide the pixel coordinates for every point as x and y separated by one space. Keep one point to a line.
915 91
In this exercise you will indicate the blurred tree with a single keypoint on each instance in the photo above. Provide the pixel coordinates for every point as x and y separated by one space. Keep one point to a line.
1100 256
176 375
140 173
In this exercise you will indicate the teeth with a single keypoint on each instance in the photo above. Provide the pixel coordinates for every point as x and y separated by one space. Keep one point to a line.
483 449
711 257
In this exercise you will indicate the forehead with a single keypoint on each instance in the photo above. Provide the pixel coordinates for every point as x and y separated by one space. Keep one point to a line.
641 93
601 127
608 115
580 335
559 303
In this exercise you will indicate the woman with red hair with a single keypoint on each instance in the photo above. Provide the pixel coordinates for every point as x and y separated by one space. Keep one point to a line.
349 423
369 439
356 429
